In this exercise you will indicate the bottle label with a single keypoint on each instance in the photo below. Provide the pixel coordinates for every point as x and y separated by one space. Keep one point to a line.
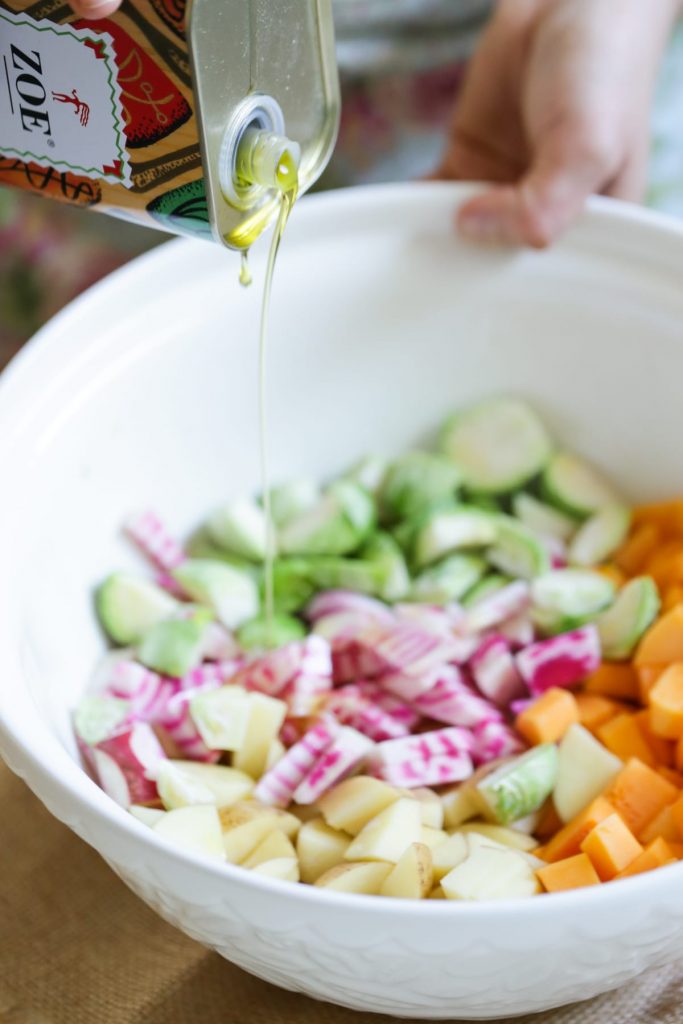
60 100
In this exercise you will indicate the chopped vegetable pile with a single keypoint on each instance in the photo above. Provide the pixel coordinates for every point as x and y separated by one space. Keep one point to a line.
467 690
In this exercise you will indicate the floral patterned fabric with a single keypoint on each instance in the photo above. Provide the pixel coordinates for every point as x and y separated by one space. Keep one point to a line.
401 63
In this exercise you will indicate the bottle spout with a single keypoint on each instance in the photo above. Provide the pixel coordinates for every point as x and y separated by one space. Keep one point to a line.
256 157
267 159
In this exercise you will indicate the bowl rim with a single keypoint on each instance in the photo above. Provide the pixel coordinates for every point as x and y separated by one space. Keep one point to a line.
25 747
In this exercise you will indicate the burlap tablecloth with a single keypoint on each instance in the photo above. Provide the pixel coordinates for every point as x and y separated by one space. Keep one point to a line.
76 947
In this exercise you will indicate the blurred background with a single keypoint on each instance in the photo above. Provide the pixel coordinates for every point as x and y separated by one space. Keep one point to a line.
401 64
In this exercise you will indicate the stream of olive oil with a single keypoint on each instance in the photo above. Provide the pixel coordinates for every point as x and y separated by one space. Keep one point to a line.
288 180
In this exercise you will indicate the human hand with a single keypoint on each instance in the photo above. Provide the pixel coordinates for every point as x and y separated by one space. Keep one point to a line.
93 9
555 107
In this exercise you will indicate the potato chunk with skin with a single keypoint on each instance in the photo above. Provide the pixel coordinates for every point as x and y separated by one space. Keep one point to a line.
386 836
412 878
362 878
319 848
351 804
247 823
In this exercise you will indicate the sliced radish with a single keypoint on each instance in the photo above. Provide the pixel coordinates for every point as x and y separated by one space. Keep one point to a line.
495 672
127 764
428 759
450 699
155 540
510 600
347 750
492 740
341 602
278 785
562 660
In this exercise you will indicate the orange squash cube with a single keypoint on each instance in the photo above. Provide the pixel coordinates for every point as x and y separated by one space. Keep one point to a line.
571 873
677 815
663 642
662 826
663 750
655 855
667 516
638 793
614 679
647 677
666 704
549 717
638 548
611 847
595 710
567 841
624 738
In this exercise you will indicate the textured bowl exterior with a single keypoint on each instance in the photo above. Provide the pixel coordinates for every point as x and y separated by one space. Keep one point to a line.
489 962
433 960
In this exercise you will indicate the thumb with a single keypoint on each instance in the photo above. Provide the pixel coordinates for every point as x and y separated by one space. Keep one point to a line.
95 8
566 169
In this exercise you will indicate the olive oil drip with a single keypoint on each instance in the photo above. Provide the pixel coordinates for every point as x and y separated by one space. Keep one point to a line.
288 182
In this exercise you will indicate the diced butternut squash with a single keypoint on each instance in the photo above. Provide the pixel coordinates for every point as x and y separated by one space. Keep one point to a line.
666 564
639 793
638 548
677 815
667 516
662 826
567 841
623 737
673 595
677 850
595 710
671 775
655 855
678 760
570 873
611 847
647 677
666 704
663 642
663 750
549 717
549 821
614 679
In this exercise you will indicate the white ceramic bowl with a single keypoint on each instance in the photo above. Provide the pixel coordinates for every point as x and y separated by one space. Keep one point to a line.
144 393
